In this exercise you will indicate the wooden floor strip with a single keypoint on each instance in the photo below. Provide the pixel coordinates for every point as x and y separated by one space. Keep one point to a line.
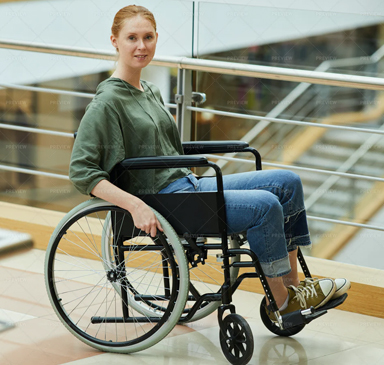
364 298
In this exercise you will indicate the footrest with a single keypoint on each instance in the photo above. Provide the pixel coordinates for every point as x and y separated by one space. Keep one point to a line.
334 303
297 318
317 314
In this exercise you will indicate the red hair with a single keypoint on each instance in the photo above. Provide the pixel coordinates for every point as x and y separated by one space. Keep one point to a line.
129 12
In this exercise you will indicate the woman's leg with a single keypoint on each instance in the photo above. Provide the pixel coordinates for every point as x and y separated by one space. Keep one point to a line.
287 189
278 290
286 186
260 212
292 278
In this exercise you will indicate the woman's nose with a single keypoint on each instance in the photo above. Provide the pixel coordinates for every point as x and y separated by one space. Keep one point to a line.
141 44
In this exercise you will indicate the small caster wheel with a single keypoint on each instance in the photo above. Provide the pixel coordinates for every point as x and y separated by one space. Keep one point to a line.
273 327
236 339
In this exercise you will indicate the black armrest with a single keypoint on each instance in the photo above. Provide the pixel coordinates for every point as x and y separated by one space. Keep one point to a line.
202 147
157 162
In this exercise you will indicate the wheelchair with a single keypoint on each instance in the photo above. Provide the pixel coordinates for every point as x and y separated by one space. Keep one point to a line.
118 289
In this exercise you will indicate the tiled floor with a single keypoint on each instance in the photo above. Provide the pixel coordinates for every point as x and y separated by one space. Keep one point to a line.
39 338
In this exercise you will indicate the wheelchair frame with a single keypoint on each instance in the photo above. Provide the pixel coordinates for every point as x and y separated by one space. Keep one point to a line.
197 222
169 205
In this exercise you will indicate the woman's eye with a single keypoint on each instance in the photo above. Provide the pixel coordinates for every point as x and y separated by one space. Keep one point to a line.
132 38
149 37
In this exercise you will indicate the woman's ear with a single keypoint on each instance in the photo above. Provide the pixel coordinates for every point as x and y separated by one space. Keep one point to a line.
113 41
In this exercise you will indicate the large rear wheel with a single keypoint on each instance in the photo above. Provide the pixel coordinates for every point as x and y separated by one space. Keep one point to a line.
94 297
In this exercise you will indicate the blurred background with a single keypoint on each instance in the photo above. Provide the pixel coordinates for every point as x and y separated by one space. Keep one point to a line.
347 38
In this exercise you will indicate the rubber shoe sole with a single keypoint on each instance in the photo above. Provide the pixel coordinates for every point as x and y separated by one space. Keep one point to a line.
342 286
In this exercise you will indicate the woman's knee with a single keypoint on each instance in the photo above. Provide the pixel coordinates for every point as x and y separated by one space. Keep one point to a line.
246 209
291 182
270 205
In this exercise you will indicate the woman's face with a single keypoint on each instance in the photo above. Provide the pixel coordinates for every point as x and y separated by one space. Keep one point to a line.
136 42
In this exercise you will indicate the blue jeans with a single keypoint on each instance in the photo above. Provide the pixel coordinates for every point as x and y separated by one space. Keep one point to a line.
267 205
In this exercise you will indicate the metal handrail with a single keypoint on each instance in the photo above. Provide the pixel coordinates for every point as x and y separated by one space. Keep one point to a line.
222 67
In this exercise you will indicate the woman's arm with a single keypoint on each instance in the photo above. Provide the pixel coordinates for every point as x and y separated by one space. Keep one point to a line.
143 216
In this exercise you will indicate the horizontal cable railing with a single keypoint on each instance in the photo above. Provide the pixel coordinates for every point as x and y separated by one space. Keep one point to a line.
345 223
250 70
33 172
285 121
292 167
347 165
35 130
47 90
58 91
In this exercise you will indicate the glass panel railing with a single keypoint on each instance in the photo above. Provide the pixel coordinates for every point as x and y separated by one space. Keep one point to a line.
285 38
289 37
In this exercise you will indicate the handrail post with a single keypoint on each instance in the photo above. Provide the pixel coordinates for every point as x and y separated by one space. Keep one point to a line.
183 100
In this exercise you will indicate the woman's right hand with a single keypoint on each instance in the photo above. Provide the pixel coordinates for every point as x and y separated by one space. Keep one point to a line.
142 214
145 219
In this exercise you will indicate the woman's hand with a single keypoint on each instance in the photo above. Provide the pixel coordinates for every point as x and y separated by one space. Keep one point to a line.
142 214
145 219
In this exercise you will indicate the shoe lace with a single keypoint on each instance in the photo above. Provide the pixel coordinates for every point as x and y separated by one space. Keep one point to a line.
310 281
303 293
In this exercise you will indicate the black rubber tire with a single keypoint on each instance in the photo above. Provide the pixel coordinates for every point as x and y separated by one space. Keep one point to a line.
81 289
236 339
273 327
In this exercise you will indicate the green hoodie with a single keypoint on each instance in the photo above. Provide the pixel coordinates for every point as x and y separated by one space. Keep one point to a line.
121 122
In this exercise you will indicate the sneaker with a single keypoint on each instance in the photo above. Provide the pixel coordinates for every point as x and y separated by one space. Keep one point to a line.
342 285
313 294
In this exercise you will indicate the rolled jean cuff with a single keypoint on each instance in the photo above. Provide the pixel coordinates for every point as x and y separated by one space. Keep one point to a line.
299 241
276 268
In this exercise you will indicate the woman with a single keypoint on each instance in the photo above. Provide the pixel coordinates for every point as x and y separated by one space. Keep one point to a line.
127 118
